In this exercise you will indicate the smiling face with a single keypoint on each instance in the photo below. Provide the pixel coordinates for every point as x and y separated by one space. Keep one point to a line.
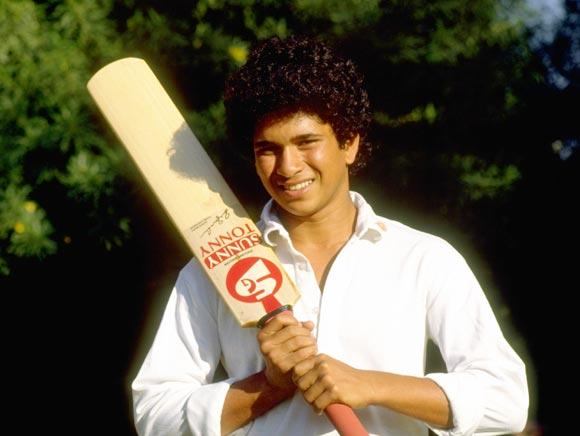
301 164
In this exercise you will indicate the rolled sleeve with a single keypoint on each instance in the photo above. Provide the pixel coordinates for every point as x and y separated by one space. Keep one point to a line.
463 391
204 409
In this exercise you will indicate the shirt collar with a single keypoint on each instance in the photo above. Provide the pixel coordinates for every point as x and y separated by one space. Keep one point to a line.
368 225
271 226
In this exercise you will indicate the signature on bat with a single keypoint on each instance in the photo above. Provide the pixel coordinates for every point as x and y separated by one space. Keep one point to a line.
217 220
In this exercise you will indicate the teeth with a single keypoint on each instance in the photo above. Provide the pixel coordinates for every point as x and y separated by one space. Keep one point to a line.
298 186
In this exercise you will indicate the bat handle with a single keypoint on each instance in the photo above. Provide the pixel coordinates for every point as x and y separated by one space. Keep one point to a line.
270 315
345 420
342 417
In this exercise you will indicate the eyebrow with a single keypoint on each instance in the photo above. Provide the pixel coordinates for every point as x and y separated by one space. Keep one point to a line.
297 138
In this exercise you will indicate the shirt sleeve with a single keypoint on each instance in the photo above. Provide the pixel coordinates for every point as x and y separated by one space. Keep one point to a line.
173 393
485 382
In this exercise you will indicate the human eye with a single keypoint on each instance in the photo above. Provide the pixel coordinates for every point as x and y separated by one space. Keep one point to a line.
264 149
307 142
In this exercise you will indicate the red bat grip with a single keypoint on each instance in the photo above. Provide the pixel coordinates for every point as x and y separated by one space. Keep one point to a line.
342 417
344 420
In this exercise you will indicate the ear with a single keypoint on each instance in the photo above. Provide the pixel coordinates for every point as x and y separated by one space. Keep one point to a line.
351 149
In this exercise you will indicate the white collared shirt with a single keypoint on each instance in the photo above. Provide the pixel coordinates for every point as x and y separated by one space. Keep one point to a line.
388 291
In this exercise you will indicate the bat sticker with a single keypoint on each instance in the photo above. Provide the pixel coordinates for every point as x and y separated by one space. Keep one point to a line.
255 279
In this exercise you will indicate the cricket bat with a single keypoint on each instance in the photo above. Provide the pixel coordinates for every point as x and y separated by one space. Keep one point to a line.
217 229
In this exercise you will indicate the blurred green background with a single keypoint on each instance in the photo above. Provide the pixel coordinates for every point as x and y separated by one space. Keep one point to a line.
476 133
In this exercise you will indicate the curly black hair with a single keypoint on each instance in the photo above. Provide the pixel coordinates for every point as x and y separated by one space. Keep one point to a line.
295 74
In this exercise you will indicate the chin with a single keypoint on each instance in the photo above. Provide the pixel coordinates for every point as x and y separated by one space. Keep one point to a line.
302 212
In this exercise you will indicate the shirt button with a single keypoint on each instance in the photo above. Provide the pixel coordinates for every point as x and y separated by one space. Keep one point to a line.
302 267
315 311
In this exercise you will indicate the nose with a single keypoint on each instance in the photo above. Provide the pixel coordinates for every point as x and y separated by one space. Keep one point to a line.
289 162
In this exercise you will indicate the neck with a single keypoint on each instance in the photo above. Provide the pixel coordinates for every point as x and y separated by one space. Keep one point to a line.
327 228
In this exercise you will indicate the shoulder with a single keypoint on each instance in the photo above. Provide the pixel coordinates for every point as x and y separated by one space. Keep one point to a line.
192 273
433 261
195 287
412 240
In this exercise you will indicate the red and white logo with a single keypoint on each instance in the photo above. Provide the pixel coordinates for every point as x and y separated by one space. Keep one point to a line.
255 279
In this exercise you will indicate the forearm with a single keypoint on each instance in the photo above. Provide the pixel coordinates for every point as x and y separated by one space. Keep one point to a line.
420 398
248 399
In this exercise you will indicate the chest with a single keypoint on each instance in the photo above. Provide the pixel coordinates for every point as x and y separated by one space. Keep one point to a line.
371 315
320 260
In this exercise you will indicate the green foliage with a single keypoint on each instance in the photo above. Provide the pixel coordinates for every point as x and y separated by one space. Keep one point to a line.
432 67
211 34
157 30
24 224
447 30
88 177
482 179
343 16
427 114
47 142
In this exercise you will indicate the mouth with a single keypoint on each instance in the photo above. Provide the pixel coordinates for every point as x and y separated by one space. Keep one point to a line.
293 187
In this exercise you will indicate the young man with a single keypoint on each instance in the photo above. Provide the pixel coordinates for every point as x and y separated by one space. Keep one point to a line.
373 290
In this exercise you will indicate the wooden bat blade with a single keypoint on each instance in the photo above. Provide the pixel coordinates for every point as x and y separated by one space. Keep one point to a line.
223 238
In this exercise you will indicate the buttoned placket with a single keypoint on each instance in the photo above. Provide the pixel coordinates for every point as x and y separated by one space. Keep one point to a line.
299 268
308 286
337 284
